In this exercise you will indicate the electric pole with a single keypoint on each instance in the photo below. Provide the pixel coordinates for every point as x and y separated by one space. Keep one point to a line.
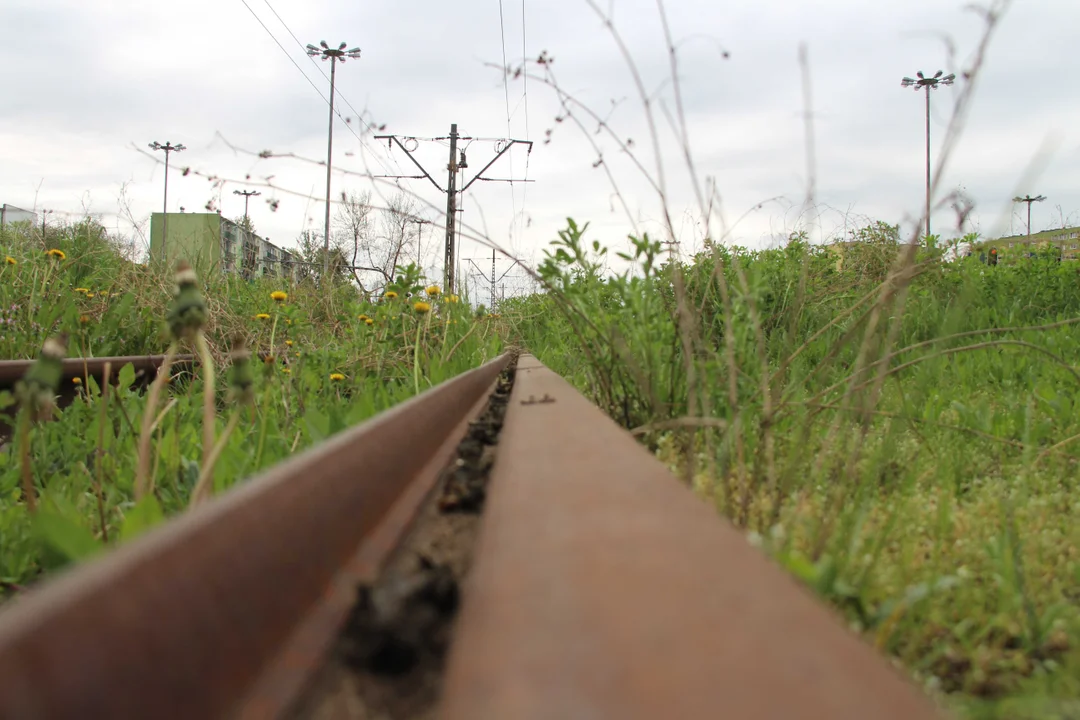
493 278
168 147
334 56
451 214
420 223
44 215
248 194
1028 199
927 84
456 163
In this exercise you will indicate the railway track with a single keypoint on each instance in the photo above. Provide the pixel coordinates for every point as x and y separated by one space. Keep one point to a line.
493 548
145 366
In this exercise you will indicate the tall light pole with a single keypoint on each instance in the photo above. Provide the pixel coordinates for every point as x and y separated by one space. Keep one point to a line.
248 194
168 147
334 56
926 83
1028 199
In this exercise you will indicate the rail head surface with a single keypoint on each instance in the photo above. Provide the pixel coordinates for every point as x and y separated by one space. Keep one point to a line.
603 588
179 623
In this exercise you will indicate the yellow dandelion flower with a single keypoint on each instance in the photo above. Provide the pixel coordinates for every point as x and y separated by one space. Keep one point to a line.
262 316
297 353
76 380
390 295
369 321
362 318
89 294
82 290
288 321
56 253
286 370
421 307
451 298
279 296
337 377
433 290
10 260
288 343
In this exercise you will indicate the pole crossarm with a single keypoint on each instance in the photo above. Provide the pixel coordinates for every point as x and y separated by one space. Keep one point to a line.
1028 199
500 277
507 270
394 139
451 190
481 272
502 152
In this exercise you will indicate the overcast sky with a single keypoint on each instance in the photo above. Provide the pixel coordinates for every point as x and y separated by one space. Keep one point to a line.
86 85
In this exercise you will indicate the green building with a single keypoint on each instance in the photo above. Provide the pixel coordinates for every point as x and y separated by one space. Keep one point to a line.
212 243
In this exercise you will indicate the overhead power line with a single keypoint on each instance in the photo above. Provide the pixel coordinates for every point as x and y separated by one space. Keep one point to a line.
456 164
315 87
506 100
525 99
359 116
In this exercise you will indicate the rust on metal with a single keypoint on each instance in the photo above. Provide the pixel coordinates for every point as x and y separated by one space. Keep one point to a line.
296 666
145 366
603 588
182 622
12 370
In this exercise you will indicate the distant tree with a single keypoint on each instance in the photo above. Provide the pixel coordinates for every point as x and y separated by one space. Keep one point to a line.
877 233
245 223
354 222
385 246
310 251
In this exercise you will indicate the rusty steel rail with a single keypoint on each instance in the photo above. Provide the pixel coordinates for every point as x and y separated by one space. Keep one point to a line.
145 366
602 588
223 610
12 370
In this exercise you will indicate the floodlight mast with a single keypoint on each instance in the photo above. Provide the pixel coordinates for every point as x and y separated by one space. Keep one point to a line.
923 82
1028 199
247 195
334 55
168 147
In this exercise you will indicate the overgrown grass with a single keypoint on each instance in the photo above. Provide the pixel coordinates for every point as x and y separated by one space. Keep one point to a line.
324 359
919 474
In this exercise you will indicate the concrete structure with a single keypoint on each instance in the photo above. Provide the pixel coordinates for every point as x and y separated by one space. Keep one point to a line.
9 214
212 243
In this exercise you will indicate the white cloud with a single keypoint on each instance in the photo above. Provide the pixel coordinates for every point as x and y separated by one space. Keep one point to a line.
85 84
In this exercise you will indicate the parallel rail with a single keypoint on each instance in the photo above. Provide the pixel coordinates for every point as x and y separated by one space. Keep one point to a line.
600 587
12 370
145 366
